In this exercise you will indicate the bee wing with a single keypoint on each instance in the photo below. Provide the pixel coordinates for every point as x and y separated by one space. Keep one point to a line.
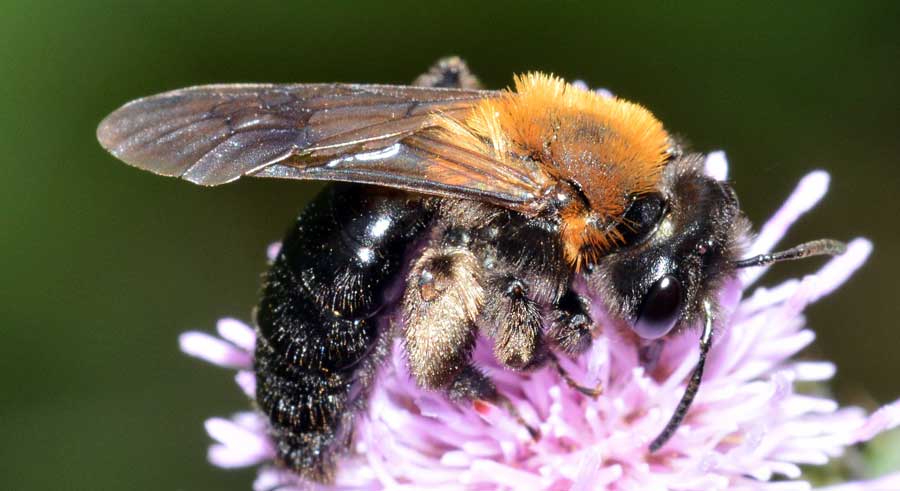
376 134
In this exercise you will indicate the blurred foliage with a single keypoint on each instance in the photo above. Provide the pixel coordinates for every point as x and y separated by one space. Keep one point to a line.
103 265
864 462
883 454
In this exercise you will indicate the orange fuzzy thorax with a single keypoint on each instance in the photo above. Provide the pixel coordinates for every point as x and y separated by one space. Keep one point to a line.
612 149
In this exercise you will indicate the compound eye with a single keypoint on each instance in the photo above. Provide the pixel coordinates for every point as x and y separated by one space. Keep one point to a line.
641 218
660 308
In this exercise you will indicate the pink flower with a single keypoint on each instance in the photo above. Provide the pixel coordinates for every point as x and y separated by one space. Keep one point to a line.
749 429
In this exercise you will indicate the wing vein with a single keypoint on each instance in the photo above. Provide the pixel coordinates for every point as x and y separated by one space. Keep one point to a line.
215 134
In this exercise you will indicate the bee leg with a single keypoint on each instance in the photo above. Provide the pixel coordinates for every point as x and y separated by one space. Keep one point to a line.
471 384
514 322
570 331
450 72
571 324
592 392
442 299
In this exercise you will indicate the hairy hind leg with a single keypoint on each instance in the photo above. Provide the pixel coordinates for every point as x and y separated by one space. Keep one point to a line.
442 299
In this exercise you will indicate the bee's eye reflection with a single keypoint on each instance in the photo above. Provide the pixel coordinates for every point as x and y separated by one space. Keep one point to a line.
660 308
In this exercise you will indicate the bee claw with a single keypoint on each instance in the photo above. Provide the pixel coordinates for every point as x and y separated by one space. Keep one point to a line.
592 392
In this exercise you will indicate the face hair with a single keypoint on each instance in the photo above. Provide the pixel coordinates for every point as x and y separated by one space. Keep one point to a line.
813 248
693 386
807 249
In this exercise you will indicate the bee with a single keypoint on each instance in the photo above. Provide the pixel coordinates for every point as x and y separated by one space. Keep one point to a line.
457 211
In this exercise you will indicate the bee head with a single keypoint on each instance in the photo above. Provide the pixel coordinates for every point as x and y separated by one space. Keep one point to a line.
681 243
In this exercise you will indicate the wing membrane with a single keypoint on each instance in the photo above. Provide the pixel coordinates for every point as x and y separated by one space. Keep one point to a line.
425 164
377 134
214 134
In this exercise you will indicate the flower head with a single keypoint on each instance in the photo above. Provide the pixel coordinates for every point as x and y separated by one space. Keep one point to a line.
749 428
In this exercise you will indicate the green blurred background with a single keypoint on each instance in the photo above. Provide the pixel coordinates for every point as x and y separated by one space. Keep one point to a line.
103 266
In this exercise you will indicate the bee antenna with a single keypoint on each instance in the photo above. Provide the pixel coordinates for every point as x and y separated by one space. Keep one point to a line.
814 248
693 385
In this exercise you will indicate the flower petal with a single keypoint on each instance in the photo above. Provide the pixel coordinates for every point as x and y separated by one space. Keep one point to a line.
839 269
716 165
808 192
890 482
239 333
239 446
246 380
273 250
886 418
214 350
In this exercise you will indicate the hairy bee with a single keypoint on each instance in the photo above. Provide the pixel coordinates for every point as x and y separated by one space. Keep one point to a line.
458 211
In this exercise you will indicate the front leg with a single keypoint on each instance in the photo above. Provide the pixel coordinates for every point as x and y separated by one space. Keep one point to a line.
514 321
571 331
570 324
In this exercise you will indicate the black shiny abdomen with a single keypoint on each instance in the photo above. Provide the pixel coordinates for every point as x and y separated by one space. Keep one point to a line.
319 317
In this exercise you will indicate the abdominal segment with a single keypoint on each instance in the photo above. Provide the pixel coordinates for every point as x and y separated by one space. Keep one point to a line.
321 315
